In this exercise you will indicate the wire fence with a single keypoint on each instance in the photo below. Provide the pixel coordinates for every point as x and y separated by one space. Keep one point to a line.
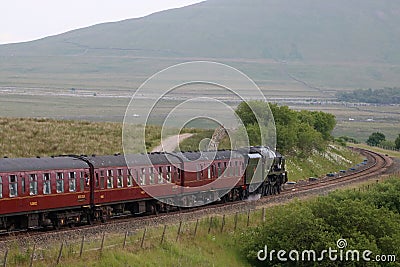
134 240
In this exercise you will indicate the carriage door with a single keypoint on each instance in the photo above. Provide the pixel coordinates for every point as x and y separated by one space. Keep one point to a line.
99 185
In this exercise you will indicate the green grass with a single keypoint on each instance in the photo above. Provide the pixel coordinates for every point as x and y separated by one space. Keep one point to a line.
209 247
391 153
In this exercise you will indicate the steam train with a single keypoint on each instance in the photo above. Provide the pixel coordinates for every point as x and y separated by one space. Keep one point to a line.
71 190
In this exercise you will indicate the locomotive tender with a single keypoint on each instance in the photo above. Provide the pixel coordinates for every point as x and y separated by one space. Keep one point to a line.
71 190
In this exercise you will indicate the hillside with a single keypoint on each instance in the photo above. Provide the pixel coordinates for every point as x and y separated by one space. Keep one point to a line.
333 44
309 30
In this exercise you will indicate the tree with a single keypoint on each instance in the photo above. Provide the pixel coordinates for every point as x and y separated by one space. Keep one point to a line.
324 123
375 139
296 131
397 142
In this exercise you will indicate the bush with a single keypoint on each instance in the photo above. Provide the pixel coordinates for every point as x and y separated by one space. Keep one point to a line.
367 220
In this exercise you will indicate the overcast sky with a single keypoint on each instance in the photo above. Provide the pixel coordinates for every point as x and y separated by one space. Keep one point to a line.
25 20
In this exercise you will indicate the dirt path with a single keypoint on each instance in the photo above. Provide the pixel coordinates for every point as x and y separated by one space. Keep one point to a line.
169 144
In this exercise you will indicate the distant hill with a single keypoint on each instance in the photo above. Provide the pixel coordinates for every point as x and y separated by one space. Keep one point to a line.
288 31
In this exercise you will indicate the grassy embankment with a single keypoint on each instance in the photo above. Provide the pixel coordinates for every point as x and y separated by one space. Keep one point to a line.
47 137
334 159
391 153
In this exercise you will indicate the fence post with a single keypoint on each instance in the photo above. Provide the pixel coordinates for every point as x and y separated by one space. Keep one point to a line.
143 237
223 223
209 227
102 243
195 228
179 230
263 214
163 234
5 258
60 253
248 218
126 235
81 250
236 220
32 255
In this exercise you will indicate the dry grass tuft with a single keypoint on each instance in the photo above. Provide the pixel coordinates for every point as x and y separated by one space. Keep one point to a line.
46 137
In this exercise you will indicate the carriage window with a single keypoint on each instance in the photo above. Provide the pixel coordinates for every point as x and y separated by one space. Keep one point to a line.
110 179
33 186
225 170
142 176
219 169
13 186
97 180
72 182
120 182
168 174
110 182
213 170
160 176
60 182
1 187
209 172
176 170
136 176
120 179
151 170
130 178
46 184
101 179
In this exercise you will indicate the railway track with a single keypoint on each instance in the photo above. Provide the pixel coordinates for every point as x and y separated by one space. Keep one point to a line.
377 164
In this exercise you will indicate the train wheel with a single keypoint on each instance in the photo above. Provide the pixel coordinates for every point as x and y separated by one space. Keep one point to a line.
89 219
155 209
268 190
56 225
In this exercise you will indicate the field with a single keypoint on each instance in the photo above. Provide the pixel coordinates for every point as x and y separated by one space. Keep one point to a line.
359 121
